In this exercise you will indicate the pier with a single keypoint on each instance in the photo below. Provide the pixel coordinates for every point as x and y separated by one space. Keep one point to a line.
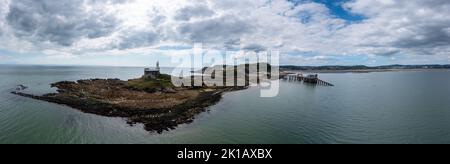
311 79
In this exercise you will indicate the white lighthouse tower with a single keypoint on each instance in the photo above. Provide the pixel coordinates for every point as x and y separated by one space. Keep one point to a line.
157 66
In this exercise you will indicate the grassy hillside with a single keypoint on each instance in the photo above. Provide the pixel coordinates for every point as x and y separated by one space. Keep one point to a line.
151 85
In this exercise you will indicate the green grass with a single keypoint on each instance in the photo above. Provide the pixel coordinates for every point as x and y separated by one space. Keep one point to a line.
164 81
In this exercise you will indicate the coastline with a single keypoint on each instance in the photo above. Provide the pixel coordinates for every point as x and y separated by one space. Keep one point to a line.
364 70
157 116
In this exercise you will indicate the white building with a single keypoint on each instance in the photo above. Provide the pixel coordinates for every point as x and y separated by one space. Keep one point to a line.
152 73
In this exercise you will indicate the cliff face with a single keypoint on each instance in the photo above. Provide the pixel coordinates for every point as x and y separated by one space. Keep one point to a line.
158 106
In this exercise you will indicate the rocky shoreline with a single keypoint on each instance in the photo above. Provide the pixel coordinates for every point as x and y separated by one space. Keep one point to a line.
158 111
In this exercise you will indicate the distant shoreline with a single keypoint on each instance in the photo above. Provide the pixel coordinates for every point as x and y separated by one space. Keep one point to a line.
365 70
362 68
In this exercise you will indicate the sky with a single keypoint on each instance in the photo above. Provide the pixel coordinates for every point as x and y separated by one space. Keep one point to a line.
305 32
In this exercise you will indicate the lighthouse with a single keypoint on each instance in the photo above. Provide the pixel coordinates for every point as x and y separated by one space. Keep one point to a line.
152 73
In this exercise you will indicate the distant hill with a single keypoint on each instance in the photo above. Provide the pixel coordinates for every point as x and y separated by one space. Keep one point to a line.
337 68
361 67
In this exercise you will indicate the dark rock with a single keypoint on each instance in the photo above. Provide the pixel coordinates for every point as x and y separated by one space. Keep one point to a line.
94 96
21 87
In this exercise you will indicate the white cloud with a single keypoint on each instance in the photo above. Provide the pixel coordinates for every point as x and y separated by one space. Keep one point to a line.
390 27
4 8
416 26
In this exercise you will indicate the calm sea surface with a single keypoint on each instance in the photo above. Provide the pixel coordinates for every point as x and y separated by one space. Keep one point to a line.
387 107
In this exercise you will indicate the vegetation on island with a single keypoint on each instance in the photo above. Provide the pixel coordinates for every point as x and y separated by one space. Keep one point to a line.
155 103
163 82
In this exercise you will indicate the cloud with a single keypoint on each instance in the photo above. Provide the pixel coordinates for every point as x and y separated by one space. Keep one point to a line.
255 47
137 40
390 27
61 22
4 8
216 30
418 27
189 12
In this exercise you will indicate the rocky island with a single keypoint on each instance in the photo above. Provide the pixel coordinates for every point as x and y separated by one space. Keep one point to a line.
158 106
151 100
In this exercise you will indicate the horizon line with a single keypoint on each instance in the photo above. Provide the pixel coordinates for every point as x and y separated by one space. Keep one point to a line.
281 65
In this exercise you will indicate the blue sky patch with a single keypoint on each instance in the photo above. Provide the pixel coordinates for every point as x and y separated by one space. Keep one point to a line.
336 9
